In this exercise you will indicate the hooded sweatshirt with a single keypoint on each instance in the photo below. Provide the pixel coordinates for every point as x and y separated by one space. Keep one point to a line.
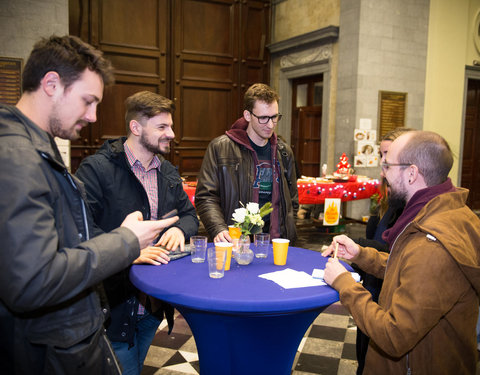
238 133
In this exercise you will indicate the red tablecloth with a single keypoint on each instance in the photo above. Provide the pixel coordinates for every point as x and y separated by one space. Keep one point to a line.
189 188
316 192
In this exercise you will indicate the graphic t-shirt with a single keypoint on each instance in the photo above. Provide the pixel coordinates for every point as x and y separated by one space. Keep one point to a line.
264 177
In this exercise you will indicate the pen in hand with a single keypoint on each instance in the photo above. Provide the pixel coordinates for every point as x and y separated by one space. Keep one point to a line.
335 251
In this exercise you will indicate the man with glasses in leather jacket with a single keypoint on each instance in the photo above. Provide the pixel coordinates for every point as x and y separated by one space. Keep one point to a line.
249 163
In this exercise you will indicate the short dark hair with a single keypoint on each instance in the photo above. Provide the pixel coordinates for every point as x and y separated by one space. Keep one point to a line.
145 105
260 92
431 153
69 56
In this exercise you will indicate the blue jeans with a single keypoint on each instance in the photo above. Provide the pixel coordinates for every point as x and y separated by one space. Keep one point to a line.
132 359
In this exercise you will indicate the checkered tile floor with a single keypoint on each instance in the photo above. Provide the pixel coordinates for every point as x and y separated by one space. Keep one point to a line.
328 347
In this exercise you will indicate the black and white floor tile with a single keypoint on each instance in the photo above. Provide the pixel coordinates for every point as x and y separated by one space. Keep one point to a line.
327 348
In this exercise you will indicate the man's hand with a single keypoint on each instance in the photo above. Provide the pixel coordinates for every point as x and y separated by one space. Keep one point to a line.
146 231
223 236
333 268
347 248
152 255
172 238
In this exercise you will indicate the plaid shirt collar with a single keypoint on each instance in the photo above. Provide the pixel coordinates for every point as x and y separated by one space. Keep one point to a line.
133 161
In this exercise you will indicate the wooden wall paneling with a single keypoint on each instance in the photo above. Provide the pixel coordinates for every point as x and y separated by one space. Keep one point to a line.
204 71
203 54
138 47
255 34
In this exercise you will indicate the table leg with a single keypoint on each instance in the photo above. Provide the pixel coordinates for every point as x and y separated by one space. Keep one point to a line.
247 344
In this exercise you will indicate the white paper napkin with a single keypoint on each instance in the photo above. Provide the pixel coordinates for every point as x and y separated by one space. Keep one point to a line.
318 274
289 279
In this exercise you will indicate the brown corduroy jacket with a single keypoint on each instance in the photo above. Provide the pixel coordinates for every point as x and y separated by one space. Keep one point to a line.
428 308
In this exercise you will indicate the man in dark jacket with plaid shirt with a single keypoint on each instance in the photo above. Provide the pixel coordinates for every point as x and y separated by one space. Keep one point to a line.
130 174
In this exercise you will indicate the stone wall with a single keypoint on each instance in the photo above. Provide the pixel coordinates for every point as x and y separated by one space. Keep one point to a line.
382 47
24 22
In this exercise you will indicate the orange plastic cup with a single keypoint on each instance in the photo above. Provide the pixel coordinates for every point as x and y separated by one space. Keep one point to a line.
225 246
234 232
280 251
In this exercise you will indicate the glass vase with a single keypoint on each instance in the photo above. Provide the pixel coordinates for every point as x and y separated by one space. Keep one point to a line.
244 255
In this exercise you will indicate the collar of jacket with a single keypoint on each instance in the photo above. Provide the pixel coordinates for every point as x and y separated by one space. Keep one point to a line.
38 137
238 133
413 207
113 149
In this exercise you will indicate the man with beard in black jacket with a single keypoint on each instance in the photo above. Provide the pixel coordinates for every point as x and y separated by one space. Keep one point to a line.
130 174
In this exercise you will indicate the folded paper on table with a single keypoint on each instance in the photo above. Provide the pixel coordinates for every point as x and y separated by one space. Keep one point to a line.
289 279
318 274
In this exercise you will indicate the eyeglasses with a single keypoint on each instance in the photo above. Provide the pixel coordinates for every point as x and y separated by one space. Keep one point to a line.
265 119
386 165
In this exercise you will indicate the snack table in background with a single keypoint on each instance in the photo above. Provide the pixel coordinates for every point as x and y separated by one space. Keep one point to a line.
189 188
314 190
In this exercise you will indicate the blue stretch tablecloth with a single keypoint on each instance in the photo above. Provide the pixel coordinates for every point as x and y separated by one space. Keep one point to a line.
241 323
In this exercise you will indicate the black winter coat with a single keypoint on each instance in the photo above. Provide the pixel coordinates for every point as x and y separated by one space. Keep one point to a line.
113 191
51 320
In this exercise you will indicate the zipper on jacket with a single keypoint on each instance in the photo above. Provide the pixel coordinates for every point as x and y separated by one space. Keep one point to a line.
409 370
61 168
84 210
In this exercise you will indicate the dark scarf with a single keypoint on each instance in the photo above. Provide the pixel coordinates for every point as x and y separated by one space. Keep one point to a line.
413 207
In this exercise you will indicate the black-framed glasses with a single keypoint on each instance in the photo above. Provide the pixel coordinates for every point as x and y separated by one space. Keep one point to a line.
386 165
265 119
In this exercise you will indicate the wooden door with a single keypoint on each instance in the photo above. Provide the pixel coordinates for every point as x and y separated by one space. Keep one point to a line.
307 96
214 60
254 35
136 45
471 145
205 48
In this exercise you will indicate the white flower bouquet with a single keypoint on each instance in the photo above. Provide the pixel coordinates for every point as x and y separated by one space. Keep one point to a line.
249 218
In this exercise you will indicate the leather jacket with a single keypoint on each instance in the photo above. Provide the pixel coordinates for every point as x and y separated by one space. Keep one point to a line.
226 179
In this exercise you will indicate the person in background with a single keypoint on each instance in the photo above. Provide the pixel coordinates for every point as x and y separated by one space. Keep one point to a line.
51 267
128 174
249 164
424 321
385 217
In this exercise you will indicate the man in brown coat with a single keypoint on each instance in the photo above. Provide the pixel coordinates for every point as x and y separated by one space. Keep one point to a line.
424 322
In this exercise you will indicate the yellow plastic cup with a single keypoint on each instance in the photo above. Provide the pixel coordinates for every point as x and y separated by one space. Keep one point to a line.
225 246
280 251
234 232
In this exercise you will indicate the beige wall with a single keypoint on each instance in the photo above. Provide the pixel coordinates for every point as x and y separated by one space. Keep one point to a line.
450 48
292 18
297 17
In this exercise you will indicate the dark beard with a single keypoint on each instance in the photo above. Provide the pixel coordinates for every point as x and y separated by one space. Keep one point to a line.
152 148
57 130
397 199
